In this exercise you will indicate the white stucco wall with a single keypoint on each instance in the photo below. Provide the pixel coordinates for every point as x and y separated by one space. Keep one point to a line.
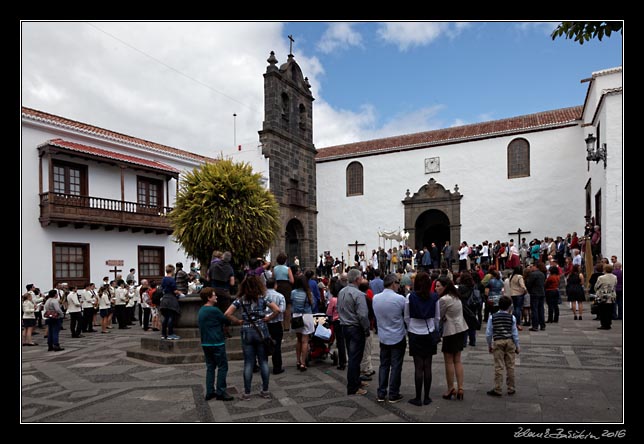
103 181
609 116
548 203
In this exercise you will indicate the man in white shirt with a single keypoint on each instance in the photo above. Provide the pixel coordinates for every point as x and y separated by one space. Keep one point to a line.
389 309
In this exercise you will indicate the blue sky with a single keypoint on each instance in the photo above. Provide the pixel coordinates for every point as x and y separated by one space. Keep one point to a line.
179 83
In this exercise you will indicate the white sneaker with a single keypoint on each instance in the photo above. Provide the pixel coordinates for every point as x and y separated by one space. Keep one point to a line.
245 397
265 394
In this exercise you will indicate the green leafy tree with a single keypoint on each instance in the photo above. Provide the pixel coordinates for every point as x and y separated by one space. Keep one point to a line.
584 31
224 206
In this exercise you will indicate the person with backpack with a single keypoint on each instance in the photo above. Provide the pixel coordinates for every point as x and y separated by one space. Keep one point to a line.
469 301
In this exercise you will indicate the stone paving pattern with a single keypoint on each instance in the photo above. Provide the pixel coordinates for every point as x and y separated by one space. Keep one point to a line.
569 373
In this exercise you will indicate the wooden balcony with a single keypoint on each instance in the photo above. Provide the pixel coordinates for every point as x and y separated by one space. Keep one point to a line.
296 198
96 212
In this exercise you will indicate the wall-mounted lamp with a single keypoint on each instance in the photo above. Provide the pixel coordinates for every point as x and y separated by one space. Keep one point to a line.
595 153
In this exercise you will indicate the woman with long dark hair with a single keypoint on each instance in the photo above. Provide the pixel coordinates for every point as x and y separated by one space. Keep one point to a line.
466 289
454 326
250 300
422 317
575 291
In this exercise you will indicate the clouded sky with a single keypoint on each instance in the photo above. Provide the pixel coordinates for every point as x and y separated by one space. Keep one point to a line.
179 83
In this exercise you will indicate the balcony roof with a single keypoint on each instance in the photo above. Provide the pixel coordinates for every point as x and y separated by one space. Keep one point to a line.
93 152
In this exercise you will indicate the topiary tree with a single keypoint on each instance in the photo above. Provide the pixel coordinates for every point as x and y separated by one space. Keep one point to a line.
224 206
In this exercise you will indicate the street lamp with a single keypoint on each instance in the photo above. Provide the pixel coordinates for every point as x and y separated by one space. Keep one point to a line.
595 153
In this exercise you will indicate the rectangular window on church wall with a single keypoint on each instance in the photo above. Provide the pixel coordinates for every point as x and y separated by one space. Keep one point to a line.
70 263
151 263
518 159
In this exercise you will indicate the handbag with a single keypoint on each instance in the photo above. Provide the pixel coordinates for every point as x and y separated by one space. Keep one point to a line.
51 314
470 318
436 334
297 321
268 342
322 332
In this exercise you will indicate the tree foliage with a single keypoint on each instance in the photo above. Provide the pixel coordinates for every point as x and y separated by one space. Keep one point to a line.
224 206
584 31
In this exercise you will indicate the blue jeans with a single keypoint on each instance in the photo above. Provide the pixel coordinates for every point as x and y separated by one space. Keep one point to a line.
167 326
52 331
517 303
216 359
391 359
354 337
253 349
538 315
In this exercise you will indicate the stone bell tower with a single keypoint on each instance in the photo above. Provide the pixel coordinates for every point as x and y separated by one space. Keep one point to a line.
287 140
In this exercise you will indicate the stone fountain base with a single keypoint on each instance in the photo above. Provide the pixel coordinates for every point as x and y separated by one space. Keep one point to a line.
186 350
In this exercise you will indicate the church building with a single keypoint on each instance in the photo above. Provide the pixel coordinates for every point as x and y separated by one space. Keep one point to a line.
546 174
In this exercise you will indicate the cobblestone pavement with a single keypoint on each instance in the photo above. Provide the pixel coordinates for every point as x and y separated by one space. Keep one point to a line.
569 373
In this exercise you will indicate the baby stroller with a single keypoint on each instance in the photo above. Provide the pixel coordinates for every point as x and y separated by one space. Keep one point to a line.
321 341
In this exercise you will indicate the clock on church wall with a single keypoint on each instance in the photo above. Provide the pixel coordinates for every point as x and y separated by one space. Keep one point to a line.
432 165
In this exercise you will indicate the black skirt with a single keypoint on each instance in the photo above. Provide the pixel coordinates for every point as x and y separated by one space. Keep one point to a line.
421 345
575 292
453 343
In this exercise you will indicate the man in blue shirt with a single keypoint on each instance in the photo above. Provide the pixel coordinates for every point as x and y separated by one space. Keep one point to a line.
376 284
389 309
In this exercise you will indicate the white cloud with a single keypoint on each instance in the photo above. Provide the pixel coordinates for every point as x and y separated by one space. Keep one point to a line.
339 35
156 91
542 27
458 122
409 34
337 127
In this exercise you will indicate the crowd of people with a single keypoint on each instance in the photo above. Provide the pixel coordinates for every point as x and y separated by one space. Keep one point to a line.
423 304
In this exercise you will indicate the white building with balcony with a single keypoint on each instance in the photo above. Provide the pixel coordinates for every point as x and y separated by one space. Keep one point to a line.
92 197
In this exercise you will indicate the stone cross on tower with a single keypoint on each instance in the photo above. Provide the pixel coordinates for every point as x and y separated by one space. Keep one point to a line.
290 37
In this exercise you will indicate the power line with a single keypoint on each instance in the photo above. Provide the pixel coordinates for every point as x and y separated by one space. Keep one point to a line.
170 67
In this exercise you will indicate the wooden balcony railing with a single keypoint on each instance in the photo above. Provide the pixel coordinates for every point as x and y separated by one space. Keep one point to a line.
296 197
63 209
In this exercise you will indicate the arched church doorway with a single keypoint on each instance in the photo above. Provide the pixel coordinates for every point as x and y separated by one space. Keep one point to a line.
293 238
432 226
433 214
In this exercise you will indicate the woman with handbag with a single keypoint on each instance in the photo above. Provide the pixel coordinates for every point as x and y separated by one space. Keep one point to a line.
605 292
250 300
422 316
302 301
53 315
454 327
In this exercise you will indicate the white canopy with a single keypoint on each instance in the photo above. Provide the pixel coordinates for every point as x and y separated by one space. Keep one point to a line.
399 236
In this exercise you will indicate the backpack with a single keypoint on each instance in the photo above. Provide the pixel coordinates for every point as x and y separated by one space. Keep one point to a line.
475 298
156 296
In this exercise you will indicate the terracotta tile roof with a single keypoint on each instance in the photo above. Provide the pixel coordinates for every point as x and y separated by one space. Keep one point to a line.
110 155
483 130
52 119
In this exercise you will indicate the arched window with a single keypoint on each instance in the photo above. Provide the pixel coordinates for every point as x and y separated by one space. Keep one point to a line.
518 159
355 181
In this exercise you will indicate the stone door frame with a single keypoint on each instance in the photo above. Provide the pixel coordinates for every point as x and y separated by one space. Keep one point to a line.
433 196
